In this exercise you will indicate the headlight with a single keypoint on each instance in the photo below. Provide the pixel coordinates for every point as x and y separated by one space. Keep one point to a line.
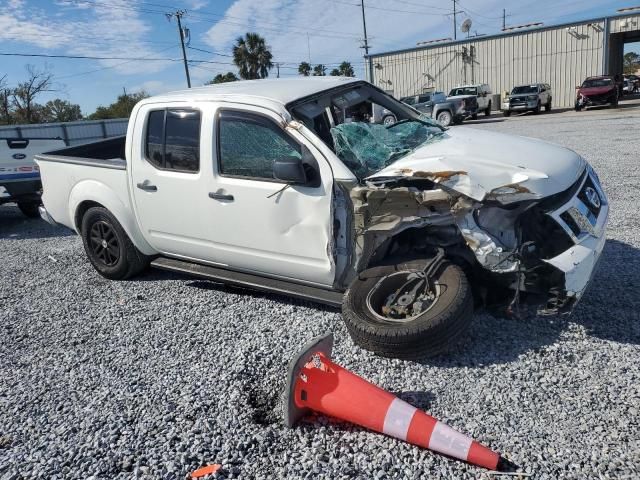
532 97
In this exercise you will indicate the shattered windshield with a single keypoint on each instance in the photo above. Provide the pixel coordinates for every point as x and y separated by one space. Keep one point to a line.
365 127
524 89
366 148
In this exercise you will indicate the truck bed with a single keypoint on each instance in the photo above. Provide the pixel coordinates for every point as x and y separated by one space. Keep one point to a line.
104 154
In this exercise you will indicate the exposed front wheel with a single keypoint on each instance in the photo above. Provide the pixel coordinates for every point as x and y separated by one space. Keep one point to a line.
30 209
536 110
108 247
398 311
474 116
444 118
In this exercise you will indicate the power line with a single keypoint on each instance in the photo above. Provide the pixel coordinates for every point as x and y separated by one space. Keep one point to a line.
86 57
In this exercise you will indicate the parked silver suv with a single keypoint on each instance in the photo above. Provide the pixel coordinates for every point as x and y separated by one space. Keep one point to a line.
528 97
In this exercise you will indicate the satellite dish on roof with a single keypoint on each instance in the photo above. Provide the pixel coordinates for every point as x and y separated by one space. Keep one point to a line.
466 26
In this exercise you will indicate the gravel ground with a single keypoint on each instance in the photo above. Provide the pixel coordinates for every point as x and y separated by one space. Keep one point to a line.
155 377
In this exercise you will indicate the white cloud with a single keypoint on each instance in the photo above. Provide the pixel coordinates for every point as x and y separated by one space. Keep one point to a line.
111 29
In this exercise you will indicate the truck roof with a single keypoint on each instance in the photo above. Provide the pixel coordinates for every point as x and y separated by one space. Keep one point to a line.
274 90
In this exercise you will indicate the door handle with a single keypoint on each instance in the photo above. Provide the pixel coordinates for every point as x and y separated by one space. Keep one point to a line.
147 187
220 196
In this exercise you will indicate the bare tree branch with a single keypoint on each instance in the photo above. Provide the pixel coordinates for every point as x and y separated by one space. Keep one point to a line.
24 95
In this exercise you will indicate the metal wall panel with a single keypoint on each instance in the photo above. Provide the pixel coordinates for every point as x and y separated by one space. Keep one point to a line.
561 56
74 133
625 24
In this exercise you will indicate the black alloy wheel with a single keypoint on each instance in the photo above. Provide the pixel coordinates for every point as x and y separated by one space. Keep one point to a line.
104 243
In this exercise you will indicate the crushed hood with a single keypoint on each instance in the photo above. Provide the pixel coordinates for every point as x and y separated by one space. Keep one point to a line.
588 91
488 165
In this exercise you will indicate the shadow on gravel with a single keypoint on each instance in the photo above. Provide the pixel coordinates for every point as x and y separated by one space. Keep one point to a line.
608 310
15 226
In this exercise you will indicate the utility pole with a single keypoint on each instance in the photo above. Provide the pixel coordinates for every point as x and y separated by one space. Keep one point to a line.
366 42
455 21
504 18
178 14
278 69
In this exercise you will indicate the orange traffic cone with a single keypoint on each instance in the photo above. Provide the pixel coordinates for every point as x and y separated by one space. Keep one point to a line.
316 383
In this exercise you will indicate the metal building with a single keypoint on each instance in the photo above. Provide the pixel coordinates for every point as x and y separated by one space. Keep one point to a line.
561 55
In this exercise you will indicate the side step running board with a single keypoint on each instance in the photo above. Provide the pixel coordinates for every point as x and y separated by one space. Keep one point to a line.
248 280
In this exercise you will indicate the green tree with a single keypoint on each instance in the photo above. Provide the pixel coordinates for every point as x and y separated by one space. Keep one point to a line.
631 62
344 70
319 70
61 111
304 69
252 57
223 78
121 108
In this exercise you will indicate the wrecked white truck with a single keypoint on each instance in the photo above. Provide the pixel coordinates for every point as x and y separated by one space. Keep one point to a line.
288 186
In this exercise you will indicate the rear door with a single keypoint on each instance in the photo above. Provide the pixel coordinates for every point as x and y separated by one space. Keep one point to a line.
260 224
170 170
424 104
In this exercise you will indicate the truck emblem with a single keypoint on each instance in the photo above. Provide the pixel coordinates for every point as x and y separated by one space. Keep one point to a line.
19 156
592 196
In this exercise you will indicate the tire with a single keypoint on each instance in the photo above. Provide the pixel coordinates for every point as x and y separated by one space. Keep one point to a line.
536 110
445 118
120 259
487 111
474 116
389 120
614 104
506 113
578 108
547 107
30 209
425 335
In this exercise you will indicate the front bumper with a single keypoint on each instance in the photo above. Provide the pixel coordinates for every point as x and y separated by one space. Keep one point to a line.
528 105
595 100
584 218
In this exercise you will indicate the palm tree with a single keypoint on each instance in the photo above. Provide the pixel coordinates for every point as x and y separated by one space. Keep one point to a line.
252 56
223 78
344 70
304 69
319 71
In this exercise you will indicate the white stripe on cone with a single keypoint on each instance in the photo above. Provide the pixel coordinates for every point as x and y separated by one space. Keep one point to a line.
398 419
446 440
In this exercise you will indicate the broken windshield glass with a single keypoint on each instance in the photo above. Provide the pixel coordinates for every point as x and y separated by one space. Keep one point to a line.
368 147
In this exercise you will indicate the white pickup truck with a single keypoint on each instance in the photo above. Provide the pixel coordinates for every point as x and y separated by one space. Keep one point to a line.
267 184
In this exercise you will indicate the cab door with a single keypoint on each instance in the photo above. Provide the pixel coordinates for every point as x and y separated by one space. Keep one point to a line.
257 222
170 170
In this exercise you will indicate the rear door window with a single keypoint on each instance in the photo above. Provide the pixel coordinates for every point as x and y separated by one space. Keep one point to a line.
173 140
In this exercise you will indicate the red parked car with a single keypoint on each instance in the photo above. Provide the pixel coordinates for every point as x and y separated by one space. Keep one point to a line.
597 91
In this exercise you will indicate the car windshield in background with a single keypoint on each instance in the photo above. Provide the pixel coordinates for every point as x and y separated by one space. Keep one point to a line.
597 82
463 91
366 128
524 89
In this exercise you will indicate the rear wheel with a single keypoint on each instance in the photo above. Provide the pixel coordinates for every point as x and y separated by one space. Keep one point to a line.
108 247
392 311
30 209
487 111
506 113
547 107
445 118
474 116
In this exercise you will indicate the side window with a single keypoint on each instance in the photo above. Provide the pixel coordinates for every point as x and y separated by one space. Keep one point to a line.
248 145
173 139
154 146
424 98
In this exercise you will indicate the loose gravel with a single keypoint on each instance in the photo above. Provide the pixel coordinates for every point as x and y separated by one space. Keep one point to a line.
154 377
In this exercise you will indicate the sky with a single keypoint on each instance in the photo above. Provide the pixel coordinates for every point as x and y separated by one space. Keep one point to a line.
138 45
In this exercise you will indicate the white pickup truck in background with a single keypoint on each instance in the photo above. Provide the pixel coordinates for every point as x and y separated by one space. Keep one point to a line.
407 226
19 174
